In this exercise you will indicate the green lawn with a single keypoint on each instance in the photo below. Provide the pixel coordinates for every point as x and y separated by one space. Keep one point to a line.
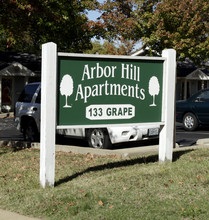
107 187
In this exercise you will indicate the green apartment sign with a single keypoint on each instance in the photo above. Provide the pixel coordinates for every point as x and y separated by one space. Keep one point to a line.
101 90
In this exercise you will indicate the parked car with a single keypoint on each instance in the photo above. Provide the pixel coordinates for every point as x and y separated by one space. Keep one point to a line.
27 118
194 111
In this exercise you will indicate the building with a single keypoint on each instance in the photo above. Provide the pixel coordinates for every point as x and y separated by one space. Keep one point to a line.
16 70
189 78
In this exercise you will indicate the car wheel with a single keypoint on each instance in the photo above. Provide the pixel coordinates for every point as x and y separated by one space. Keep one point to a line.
30 132
190 122
98 138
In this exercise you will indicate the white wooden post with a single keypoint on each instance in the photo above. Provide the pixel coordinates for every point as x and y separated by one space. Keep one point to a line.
167 139
48 114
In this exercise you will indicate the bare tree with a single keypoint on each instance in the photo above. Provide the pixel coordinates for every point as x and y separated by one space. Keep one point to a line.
66 88
154 88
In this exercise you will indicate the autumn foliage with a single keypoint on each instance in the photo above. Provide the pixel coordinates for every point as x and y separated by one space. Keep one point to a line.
154 24
181 25
160 24
26 24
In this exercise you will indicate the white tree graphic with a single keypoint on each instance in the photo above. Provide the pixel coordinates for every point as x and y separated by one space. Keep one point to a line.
154 88
66 88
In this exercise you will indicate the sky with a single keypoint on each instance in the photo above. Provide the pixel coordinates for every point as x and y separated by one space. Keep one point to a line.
93 15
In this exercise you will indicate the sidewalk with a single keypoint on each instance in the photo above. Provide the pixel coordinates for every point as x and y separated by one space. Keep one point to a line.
7 215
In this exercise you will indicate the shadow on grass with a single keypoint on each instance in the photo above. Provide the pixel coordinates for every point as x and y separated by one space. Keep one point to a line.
125 163
14 146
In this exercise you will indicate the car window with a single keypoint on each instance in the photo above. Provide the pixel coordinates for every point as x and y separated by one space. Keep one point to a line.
203 97
27 93
38 98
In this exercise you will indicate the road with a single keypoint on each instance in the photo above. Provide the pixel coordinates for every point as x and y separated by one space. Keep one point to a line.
183 138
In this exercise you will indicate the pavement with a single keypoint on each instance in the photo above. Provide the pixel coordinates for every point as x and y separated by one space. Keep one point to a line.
7 215
124 153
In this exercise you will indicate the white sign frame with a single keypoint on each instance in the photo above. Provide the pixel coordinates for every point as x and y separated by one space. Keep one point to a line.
48 109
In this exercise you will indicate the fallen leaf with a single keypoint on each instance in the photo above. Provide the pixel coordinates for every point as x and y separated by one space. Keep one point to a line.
89 157
166 185
171 181
198 177
23 168
100 202
181 182
71 203
111 207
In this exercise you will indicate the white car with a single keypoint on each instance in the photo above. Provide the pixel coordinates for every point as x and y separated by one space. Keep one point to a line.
27 118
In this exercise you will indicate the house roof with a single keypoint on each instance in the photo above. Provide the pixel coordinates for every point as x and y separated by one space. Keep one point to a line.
185 69
28 60
188 69
17 69
198 74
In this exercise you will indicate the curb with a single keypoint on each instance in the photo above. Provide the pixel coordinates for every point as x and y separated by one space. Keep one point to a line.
123 153
7 115
204 141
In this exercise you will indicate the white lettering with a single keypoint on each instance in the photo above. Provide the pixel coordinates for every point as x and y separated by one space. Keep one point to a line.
130 72
87 92
99 71
95 90
107 71
142 92
86 72
123 90
92 72
79 92
125 70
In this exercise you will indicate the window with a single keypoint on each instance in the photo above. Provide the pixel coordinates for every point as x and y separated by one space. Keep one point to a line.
38 99
6 91
27 93
203 97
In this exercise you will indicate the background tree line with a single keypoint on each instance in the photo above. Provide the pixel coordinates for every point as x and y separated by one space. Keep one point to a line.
154 24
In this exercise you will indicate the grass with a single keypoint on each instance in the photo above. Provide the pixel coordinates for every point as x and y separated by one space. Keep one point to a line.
106 187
